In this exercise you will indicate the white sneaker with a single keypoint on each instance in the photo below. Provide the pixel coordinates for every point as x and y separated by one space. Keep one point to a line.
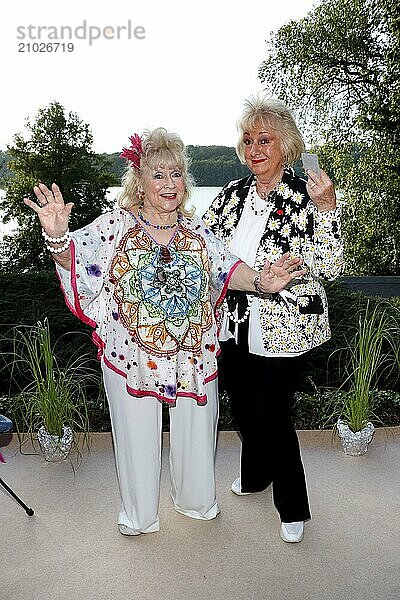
292 532
125 530
237 488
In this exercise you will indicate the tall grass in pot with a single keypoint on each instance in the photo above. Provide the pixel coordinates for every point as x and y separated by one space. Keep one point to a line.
371 353
53 400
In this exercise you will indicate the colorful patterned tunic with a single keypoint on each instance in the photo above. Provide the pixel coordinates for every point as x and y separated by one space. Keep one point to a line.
152 310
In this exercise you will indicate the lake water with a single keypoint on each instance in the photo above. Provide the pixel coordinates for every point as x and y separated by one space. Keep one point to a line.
201 199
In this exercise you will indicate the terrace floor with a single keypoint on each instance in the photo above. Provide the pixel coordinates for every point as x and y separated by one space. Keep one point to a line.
71 548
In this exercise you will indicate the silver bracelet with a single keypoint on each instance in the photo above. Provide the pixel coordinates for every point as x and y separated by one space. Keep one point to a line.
256 283
59 250
59 240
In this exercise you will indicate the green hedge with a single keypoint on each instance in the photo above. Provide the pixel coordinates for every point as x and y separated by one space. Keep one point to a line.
28 298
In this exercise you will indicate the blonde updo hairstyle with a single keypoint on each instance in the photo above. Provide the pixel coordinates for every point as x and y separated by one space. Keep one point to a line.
271 114
161 149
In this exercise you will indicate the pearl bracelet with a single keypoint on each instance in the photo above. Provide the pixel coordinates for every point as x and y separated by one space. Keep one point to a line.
59 250
59 240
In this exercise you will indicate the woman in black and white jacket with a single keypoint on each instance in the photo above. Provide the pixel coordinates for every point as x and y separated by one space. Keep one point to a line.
266 337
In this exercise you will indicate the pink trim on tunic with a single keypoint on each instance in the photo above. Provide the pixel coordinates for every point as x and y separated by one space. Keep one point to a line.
99 343
201 400
228 278
78 307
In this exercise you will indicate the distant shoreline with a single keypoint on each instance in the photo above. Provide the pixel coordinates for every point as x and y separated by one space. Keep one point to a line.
201 198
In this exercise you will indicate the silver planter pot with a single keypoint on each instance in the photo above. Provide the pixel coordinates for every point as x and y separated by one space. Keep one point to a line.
355 443
54 447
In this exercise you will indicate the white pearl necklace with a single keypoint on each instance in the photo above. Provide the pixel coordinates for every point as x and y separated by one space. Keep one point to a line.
233 318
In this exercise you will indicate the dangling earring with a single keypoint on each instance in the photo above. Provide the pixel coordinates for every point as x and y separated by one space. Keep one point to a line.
140 194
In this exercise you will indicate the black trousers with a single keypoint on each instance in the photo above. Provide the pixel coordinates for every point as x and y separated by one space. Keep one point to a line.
261 391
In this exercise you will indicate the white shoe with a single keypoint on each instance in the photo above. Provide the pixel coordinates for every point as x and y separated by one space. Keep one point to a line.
292 532
125 530
237 488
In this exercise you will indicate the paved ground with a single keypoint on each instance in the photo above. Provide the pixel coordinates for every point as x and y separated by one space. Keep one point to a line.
71 548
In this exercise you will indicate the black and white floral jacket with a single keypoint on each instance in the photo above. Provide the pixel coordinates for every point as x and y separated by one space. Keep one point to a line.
299 321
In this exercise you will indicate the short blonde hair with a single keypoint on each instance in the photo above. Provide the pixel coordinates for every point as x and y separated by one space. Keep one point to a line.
259 110
160 149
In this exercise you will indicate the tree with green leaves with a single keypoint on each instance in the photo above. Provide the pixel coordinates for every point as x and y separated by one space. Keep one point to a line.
57 149
215 165
338 68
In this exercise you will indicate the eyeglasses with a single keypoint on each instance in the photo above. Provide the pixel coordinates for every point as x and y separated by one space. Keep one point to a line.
164 255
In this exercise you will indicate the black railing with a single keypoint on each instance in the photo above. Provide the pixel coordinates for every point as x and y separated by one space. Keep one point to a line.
386 286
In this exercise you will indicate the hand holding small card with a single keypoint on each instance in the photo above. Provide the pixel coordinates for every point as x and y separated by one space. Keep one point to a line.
310 162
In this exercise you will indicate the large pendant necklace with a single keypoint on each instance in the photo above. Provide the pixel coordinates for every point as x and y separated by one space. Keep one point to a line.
163 227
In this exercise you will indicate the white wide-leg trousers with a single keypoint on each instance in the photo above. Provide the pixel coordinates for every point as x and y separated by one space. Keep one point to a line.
137 434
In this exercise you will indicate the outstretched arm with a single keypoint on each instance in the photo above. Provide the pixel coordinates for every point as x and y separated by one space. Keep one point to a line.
53 215
272 279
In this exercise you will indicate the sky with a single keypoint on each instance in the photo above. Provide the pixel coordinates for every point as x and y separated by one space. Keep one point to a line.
182 65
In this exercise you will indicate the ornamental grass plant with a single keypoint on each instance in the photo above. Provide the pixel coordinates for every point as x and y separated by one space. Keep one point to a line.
371 354
52 396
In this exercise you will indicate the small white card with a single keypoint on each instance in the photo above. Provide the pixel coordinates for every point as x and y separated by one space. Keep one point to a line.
310 161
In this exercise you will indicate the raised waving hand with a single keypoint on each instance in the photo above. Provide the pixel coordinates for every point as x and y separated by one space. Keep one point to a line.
51 210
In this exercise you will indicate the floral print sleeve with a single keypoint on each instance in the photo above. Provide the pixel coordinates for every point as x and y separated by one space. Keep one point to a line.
221 262
324 252
210 217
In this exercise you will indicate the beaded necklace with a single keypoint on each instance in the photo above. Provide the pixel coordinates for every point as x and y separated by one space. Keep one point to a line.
163 227
265 209
232 316
264 195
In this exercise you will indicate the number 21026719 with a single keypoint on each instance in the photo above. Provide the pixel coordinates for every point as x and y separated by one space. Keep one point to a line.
45 47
